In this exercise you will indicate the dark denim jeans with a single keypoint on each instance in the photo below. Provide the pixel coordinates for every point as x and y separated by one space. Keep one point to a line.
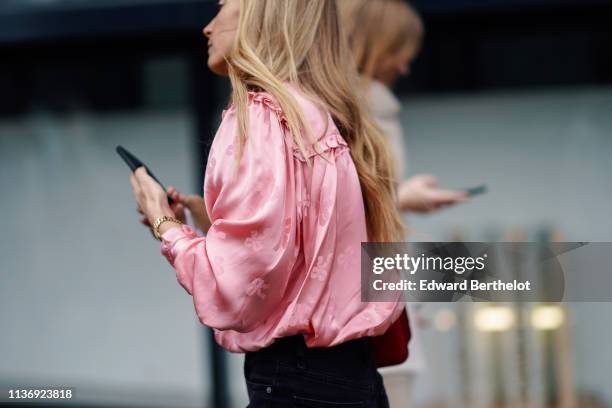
288 374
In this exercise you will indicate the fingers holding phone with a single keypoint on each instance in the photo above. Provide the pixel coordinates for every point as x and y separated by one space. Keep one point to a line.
150 196
143 218
422 194
178 202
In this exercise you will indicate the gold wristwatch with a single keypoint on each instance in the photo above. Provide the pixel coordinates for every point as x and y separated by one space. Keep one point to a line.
160 221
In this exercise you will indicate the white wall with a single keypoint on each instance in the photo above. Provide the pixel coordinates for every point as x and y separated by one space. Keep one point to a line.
86 298
546 158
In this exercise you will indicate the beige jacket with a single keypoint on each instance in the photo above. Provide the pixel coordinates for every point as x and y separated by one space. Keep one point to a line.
385 109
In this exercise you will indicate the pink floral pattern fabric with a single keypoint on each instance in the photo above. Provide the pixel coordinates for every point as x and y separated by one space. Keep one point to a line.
282 255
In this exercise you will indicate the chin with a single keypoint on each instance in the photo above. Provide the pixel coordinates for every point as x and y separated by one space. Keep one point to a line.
217 66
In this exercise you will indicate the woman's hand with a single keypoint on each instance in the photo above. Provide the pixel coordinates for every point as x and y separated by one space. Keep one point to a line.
421 194
151 199
196 206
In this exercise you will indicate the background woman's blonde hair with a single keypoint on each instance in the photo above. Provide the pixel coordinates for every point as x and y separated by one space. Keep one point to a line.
301 42
376 28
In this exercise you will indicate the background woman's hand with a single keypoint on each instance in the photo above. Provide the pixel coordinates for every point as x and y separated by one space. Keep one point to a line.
421 194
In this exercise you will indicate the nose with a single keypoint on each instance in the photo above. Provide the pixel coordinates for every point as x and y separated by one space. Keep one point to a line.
404 69
207 31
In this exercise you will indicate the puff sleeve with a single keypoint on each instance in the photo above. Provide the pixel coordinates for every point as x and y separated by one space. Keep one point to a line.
238 273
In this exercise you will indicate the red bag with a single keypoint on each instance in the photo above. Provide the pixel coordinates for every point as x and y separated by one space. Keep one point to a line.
391 348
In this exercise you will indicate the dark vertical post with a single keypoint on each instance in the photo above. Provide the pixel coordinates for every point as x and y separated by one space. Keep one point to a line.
205 103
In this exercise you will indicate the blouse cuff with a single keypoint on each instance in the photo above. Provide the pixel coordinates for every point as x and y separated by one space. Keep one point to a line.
176 240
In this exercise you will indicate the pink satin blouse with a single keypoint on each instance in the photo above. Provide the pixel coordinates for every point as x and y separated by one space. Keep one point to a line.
283 254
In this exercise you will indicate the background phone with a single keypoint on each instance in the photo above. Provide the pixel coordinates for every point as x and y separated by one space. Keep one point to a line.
476 190
133 163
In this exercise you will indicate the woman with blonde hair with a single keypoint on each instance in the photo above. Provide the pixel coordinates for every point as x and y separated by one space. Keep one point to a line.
297 177
385 36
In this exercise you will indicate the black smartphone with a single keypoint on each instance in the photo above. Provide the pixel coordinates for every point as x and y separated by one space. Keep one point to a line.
133 163
476 190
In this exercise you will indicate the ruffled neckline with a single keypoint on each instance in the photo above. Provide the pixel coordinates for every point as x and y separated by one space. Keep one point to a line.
331 140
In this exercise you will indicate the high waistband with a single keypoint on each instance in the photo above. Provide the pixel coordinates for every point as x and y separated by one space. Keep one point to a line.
297 340
288 368
294 348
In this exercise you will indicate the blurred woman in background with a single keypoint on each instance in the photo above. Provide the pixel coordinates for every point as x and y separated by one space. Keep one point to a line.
297 177
385 37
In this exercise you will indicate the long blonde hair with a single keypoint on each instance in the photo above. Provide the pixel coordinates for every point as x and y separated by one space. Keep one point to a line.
301 42
376 28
